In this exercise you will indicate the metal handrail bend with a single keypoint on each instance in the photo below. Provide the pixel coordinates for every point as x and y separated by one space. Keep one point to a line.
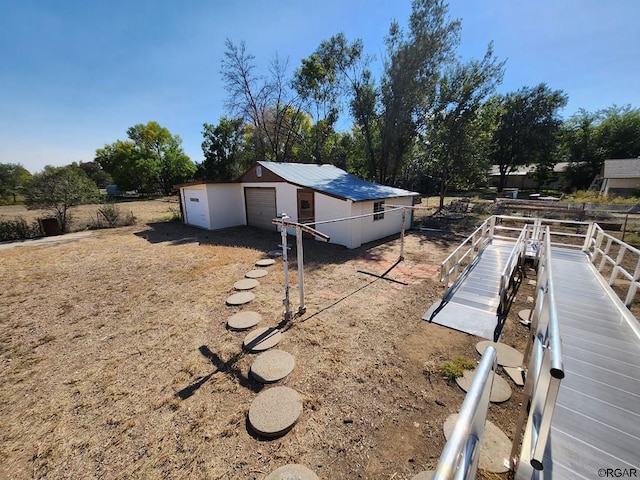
460 456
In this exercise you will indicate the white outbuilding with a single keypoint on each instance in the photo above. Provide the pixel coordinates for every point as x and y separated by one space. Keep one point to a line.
307 193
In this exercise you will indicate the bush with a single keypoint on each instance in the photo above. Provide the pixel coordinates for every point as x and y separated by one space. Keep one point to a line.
18 229
452 369
109 215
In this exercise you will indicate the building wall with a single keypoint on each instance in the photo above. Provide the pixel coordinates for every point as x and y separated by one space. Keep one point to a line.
391 223
621 186
226 205
328 208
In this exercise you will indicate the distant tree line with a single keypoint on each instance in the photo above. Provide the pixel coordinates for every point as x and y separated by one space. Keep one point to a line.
430 122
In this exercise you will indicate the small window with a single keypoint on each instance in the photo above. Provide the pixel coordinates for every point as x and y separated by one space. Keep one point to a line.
194 199
378 207
305 205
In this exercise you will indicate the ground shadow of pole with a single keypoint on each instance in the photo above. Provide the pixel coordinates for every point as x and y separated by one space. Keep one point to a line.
227 367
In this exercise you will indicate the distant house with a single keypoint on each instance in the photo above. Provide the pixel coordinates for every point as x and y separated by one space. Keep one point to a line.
523 177
307 193
620 177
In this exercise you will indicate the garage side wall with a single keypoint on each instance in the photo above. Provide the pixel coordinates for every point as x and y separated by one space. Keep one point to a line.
328 208
226 205
390 224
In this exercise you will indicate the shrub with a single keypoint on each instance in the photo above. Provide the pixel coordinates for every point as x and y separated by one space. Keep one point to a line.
18 229
452 369
109 215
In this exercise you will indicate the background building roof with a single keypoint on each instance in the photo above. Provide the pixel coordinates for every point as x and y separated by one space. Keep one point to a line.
622 168
334 181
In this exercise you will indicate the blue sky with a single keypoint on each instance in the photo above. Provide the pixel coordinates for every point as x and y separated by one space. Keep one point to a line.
75 74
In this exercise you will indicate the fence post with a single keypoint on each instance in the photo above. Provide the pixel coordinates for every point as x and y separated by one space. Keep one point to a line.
285 264
300 258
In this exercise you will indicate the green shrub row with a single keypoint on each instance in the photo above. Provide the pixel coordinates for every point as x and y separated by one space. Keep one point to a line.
18 229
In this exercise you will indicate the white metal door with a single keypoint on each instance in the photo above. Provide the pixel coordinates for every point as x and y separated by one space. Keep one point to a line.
261 206
196 209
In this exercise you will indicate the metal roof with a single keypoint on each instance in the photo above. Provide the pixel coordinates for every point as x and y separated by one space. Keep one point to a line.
622 168
334 181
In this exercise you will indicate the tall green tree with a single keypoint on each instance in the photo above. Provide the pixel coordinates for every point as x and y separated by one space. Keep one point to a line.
223 147
412 70
455 133
14 179
95 172
59 189
151 160
527 125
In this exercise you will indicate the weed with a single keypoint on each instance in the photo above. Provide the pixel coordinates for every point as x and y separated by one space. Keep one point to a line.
452 369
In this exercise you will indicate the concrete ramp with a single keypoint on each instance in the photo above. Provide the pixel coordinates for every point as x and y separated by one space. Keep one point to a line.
471 305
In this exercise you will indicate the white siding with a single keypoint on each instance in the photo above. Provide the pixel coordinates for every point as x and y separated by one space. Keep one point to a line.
391 223
226 205
328 208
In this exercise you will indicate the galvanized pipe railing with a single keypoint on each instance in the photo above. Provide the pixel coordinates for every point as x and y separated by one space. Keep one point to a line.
595 250
544 353
460 456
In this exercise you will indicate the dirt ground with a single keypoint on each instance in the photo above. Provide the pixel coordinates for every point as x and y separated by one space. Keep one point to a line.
116 360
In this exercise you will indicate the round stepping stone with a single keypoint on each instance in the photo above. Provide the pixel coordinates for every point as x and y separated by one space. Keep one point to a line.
240 298
275 253
265 262
275 411
262 339
246 284
272 366
500 391
426 475
523 316
515 374
495 446
256 274
293 471
507 356
244 320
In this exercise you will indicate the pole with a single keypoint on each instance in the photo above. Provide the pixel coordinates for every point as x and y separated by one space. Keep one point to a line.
404 215
299 254
285 264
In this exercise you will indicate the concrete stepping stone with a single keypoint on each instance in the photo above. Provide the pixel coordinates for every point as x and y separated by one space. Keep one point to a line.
275 411
271 366
244 320
426 475
500 391
515 374
256 274
523 316
275 253
293 471
246 284
262 339
507 356
265 262
495 446
240 298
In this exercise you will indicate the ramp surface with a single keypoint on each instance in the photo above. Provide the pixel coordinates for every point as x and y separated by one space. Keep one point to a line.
471 306
596 421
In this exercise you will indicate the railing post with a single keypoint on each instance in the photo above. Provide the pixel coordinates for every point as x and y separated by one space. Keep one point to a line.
300 259
633 286
285 264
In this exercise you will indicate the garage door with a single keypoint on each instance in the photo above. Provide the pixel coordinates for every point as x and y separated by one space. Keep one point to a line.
195 205
261 206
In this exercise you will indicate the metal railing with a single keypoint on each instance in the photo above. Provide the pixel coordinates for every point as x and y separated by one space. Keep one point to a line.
460 456
466 253
544 354
515 257
602 258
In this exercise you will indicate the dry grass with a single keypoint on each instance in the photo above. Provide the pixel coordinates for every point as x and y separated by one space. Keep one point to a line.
116 362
